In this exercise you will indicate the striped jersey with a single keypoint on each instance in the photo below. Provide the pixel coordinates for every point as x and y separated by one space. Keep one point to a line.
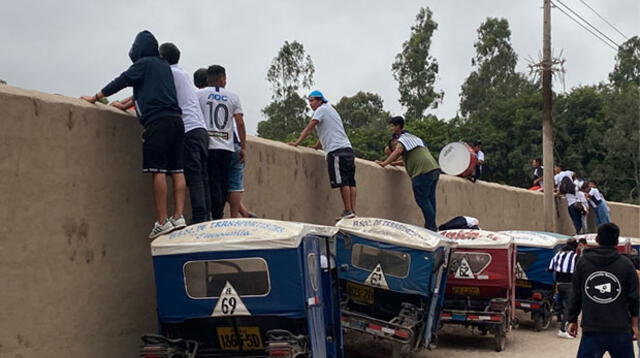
410 141
563 262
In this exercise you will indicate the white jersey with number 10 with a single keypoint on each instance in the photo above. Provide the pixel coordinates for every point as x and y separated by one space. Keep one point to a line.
219 105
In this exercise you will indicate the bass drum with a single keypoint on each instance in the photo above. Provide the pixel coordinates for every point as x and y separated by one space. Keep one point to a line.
457 158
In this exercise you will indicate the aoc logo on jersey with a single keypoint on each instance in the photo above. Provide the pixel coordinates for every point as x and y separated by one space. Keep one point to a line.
217 97
602 287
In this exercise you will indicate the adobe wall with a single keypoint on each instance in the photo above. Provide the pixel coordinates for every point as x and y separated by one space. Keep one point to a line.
75 267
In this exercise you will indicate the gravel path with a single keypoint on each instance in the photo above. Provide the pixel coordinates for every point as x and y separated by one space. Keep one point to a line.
460 342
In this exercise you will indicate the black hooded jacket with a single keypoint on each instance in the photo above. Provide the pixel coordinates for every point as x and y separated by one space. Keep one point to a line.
154 91
605 288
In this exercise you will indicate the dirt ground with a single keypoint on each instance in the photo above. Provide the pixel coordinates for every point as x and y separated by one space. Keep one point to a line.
460 342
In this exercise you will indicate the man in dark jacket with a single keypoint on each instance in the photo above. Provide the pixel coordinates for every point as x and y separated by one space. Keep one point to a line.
155 99
605 288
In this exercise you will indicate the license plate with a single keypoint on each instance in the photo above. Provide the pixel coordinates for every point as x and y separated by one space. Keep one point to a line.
466 290
523 283
249 336
360 293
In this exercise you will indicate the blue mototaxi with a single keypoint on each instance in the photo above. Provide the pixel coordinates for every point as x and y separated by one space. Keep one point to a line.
534 282
247 288
392 276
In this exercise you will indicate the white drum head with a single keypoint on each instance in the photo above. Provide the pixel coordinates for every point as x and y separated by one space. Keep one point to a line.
455 158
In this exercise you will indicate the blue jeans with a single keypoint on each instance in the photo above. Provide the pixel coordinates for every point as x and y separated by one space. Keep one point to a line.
576 217
424 191
602 215
564 293
594 344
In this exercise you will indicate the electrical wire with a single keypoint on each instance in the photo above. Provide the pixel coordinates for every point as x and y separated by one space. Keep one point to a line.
603 19
584 27
588 23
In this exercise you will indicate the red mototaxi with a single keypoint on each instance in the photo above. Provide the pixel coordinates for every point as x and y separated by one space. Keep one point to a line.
481 284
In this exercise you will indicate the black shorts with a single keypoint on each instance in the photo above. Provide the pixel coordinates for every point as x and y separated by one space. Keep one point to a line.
342 167
162 146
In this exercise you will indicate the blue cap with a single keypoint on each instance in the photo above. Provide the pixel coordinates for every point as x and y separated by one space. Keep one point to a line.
318 94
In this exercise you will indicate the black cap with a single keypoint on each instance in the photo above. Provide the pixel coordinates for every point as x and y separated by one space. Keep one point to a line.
477 142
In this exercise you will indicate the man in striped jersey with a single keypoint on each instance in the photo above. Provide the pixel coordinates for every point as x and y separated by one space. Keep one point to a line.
563 264
421 167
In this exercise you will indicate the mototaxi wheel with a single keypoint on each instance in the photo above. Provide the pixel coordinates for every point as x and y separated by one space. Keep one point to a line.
500 340
542 318
401 350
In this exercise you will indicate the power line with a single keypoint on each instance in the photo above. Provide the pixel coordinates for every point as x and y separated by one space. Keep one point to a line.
588 23
603 19
586 28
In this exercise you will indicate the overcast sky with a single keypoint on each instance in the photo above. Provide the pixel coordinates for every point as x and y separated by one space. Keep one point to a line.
75 47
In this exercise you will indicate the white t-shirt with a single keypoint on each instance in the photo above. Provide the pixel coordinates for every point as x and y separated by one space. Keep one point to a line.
558 177
595 193
480 155
219 105
471 221
571 199
330 129
187 100
582 199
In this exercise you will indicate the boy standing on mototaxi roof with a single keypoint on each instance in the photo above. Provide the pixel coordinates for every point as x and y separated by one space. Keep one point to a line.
221 108
196 139
156 103
334 141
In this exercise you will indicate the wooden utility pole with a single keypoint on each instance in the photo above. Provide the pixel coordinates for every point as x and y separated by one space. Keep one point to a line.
547 124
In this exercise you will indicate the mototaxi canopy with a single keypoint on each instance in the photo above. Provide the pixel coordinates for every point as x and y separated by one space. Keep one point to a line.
406 256
236 234
535 251
263 259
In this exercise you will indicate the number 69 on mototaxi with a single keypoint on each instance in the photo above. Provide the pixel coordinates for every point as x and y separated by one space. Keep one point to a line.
246 288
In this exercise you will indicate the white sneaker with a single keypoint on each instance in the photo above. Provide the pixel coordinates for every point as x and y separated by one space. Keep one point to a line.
161 229
566 335
346 215
178 223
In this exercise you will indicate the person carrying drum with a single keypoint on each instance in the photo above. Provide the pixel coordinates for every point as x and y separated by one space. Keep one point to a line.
563 264
421 167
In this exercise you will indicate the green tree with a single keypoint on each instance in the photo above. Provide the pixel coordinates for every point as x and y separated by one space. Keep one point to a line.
500 107
495 67
416 70
365 122
285 118
627 69
291 71
620 179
